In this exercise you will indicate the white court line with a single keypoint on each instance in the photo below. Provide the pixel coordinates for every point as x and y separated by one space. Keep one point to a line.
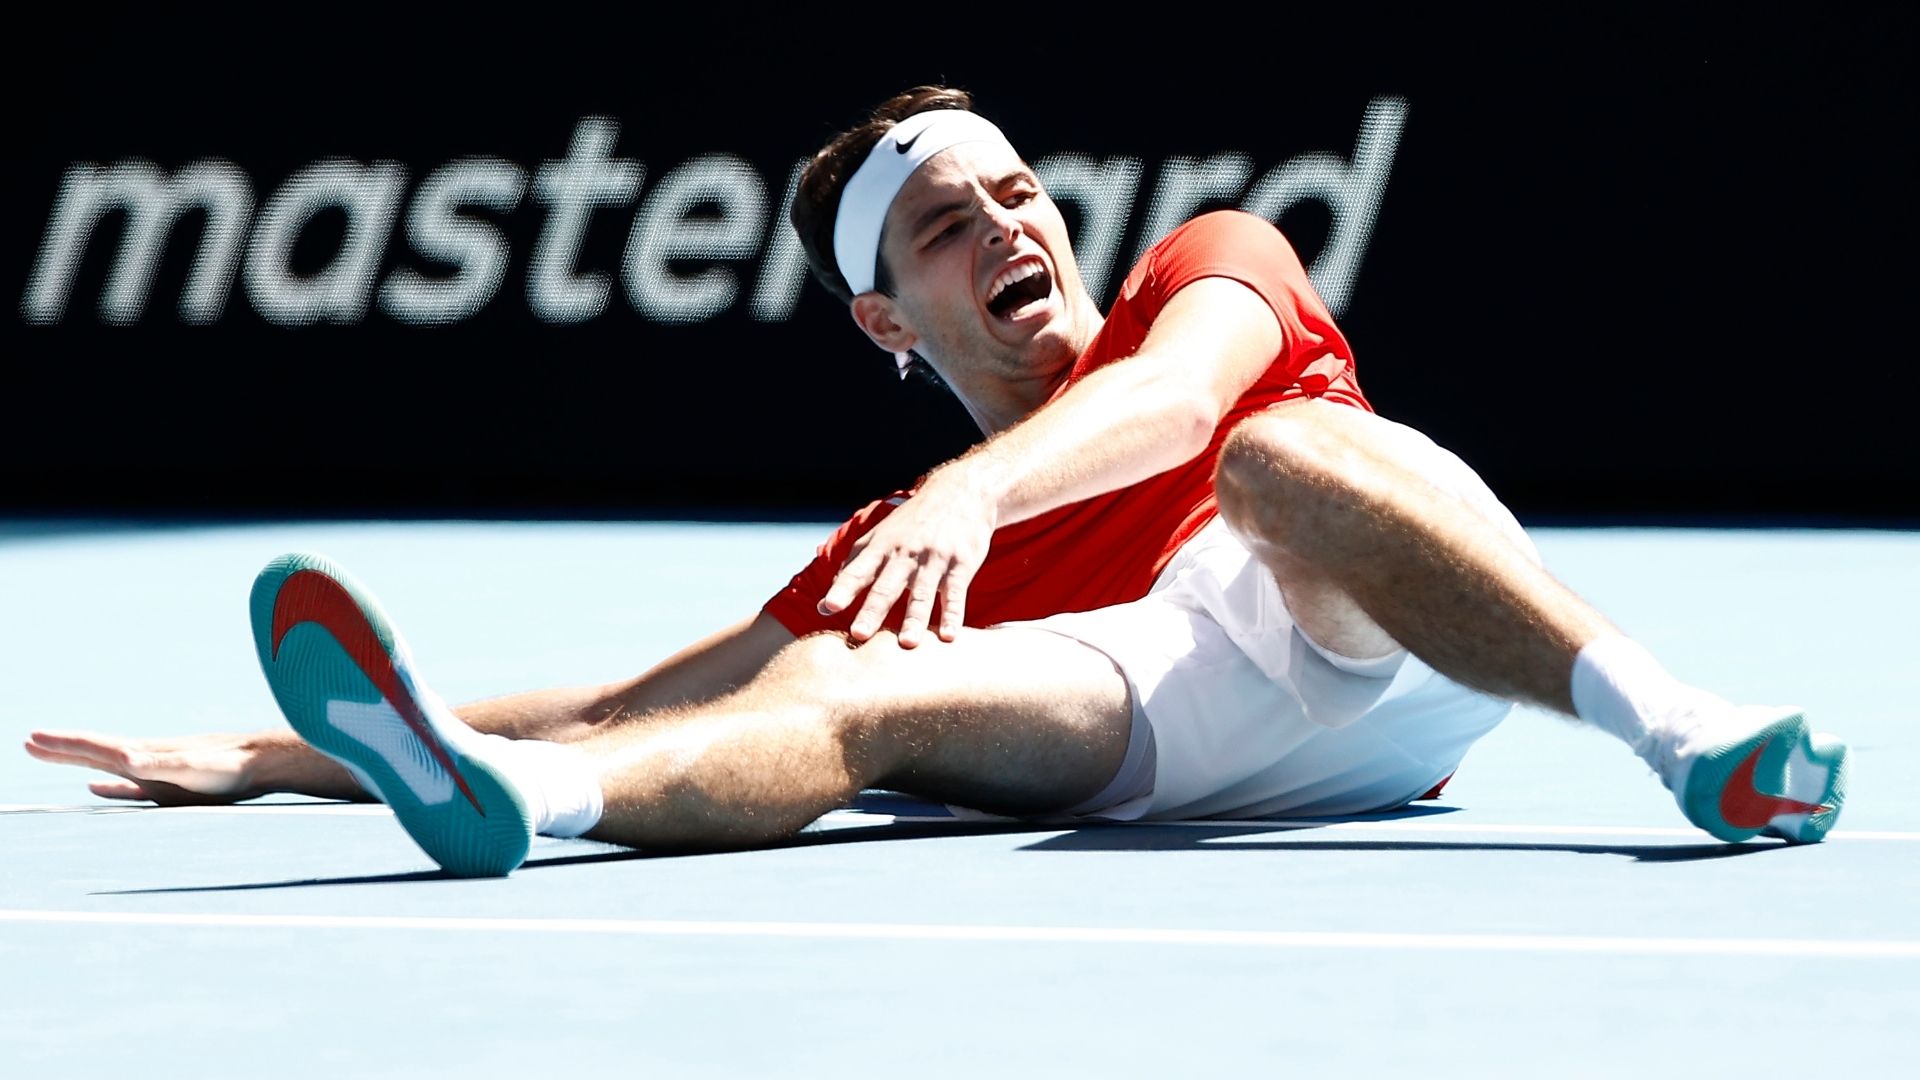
849 818
343 809
1529 830
1080 935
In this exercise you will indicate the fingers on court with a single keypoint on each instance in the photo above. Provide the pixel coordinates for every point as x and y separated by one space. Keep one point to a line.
73 742
119 789
59 757
90 751
34 749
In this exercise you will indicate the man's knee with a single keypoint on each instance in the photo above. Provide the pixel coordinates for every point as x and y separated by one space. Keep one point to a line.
856 691
821 668
820 651
1279 466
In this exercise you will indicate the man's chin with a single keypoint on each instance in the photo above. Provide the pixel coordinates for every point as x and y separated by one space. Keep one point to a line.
1049 358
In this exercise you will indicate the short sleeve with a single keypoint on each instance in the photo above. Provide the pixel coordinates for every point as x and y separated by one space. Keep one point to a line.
796 606
1251 250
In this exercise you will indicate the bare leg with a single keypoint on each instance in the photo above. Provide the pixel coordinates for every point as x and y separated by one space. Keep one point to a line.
1370 555
1011 720
225 768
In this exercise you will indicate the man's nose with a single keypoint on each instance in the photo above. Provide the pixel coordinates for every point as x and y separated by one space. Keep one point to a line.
1003 227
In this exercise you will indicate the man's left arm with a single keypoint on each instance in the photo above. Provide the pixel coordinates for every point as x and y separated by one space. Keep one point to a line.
1121 424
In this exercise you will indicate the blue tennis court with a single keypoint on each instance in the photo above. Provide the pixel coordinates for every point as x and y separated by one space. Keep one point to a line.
1552 914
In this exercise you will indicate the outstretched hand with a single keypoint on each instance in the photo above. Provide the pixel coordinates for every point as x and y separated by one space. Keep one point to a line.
922 555
193 771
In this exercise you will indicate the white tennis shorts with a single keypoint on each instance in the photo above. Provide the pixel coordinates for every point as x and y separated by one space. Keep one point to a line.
1237 713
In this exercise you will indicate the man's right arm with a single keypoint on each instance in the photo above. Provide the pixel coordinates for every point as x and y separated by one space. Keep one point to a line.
232 767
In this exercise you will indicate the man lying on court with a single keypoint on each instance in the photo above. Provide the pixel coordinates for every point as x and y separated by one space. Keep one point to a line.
1189 573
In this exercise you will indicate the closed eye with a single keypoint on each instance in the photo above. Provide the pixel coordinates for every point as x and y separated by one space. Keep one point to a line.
950 230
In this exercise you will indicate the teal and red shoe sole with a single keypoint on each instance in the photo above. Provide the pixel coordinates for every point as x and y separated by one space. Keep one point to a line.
1782 780
323 642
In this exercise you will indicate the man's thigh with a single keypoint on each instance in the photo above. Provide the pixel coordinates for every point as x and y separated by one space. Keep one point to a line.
1406 459
1008 720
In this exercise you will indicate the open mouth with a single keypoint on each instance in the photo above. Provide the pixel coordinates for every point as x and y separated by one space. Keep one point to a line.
1019 290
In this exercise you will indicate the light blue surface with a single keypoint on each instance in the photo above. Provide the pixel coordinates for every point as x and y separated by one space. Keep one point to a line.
145 632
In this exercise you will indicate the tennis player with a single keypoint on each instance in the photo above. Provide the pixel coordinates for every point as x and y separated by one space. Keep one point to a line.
1189 572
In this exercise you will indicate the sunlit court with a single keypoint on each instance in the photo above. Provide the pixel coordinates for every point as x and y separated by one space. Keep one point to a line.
1552 866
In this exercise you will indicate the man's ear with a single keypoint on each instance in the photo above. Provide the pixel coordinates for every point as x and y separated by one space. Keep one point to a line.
874 313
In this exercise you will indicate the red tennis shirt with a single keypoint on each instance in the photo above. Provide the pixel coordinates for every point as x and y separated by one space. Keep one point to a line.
1108 549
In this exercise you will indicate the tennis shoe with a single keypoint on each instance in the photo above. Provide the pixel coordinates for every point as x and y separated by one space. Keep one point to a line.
344 679
1740 771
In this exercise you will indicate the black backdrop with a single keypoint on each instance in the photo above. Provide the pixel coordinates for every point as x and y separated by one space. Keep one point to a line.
1643 264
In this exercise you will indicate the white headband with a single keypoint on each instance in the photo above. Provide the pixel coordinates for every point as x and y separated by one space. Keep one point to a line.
868 195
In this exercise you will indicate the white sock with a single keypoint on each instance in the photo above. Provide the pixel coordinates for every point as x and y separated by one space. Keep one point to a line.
560 783
1621 689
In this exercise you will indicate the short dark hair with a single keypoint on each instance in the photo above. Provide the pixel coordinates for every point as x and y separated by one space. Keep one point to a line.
816 205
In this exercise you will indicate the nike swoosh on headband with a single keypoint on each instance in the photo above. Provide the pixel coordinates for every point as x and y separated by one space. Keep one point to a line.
872 187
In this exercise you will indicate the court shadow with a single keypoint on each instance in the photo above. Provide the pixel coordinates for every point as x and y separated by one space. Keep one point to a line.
853 834
926 821
1178 838
917 809
297 883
